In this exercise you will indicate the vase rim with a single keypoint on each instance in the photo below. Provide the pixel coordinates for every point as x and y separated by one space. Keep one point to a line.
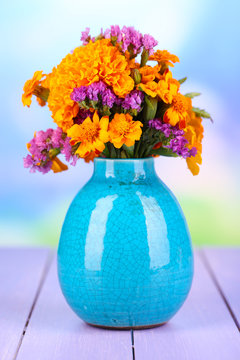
123 160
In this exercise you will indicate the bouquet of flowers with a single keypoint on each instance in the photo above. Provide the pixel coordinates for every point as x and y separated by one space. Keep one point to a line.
114 97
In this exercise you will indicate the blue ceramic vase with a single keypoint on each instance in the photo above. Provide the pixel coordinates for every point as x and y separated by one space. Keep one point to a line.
125 257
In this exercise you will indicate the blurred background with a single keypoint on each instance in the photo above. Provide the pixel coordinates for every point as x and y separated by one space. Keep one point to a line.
205 36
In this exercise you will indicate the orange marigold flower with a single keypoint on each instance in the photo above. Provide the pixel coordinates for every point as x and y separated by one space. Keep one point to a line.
178 112
194 131
132 63
58 165
88 64
123 130
163 56
41 102
148 73
30 86
150 88
193 163
91 156
46 82
167 87
194 135
92 135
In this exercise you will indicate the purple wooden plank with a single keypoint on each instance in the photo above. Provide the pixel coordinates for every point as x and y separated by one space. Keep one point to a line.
56 333
225 264
20 273
202 329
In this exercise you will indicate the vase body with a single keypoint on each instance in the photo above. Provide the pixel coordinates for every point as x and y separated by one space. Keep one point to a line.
125 257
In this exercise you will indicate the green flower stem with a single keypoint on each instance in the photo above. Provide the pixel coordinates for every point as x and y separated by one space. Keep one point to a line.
136 148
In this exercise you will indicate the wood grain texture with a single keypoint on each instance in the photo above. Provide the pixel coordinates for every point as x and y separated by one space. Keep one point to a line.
56 333
21 271
225 265
202 329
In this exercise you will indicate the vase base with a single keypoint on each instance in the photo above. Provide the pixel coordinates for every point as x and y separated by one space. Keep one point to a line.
141 327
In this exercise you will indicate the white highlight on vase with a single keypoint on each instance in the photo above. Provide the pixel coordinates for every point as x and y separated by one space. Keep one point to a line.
109 169
156 231
139 169
96 232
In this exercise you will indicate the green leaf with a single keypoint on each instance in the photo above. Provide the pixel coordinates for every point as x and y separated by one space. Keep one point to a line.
123 154
191 95
202 113
150 108
164 152
106 152
181 81
129 150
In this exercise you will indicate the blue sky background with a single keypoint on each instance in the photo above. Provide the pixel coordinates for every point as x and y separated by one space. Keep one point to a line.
205 36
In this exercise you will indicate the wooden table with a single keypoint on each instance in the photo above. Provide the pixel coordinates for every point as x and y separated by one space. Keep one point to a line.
37 324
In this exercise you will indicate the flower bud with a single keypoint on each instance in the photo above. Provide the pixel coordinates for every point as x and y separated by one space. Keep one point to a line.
136 76
144 57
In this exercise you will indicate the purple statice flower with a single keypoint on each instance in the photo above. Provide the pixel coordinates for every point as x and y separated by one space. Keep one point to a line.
149 43
57 138
177 141
114 31
159 125
67 151
42 147
178 145
79 94
33 163
85 36
108 98
42 140
99 91
131 39
94 92
127 37
82 115
133 100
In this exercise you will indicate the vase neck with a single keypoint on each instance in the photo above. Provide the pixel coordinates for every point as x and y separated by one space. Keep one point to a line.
129 170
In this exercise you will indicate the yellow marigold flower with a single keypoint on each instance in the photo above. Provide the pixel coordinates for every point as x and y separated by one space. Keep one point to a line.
150 88
123 130
92 135
163 56
88 64
167 87
58 165
30 86
178 112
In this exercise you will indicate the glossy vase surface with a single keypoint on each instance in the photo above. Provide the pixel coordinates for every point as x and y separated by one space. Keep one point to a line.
125 257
